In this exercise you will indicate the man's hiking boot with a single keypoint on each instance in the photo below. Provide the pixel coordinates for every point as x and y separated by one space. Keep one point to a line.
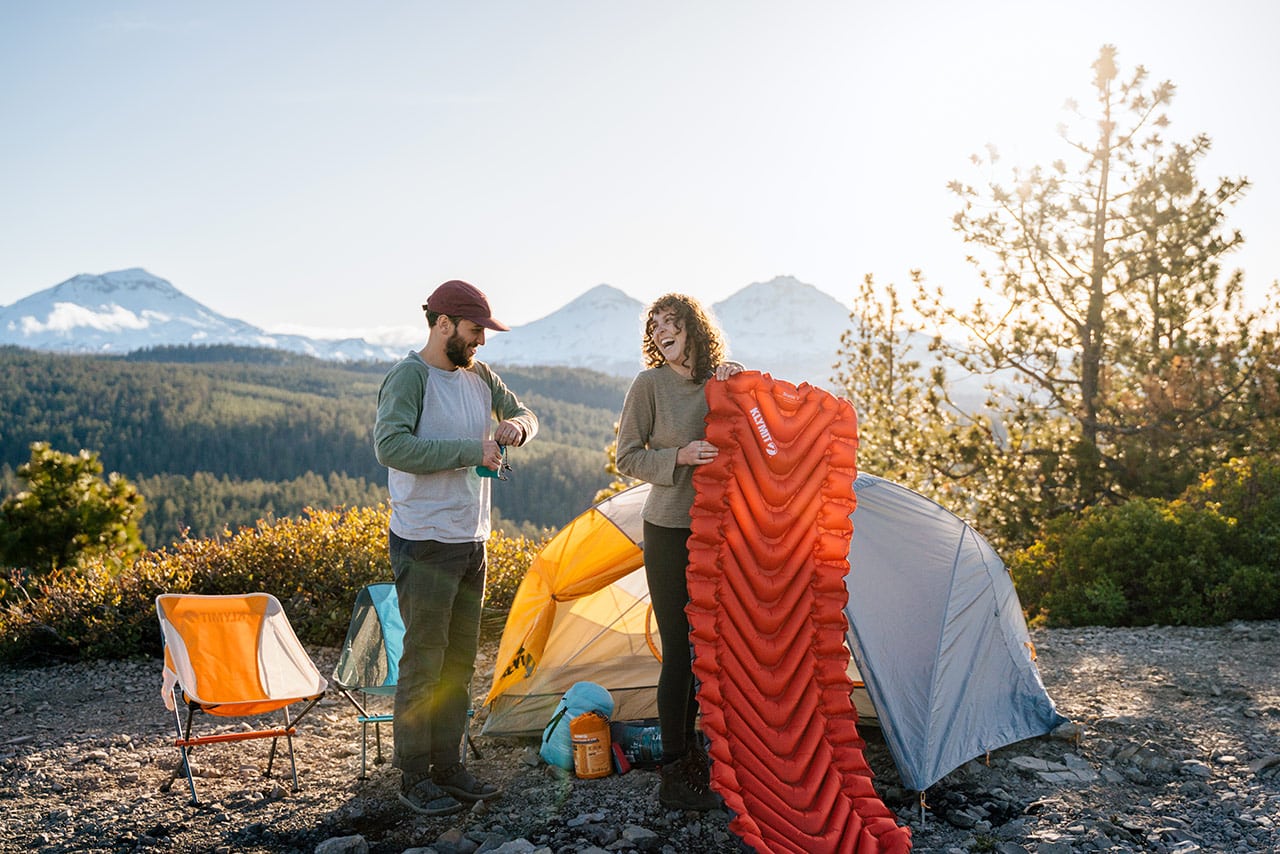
680 789
424 797
462 784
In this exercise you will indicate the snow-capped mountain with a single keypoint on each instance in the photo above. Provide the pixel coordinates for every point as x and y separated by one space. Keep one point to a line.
599 330
784 327
131 309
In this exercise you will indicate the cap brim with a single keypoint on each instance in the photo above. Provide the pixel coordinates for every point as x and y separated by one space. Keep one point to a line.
490 323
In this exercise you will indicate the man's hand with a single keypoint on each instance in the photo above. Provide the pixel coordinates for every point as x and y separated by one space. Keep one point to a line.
508 433
492 454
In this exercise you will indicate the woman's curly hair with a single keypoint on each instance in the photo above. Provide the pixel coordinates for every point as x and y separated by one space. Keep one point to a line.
703 340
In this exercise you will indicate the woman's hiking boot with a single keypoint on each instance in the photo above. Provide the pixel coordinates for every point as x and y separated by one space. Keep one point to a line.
680 789
698 763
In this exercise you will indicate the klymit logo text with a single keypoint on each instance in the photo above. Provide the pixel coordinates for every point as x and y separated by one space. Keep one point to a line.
769 447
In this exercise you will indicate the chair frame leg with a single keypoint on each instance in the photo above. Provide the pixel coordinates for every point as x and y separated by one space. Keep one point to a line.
365 718
364 751
271 756
468 741
185 743
184 735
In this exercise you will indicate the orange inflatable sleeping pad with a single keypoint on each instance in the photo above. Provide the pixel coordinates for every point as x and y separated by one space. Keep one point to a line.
768 559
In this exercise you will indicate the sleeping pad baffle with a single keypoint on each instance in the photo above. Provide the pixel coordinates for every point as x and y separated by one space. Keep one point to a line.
768 559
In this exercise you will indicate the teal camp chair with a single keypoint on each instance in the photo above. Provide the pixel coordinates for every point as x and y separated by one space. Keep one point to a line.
370 664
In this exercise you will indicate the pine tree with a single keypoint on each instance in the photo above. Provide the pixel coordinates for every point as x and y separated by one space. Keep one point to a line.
1131 359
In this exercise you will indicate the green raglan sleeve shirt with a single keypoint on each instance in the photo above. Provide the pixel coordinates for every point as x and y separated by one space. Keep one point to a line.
506 406
400 406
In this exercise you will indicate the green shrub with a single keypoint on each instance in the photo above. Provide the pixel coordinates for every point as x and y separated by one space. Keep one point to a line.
68 515
1247 490
509 560
1103 603
314 565
103 611
1250 593
1204 559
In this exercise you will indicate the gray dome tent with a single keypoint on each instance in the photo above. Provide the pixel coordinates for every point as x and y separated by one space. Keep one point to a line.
937 634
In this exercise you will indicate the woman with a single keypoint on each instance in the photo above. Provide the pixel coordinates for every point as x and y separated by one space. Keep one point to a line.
660 440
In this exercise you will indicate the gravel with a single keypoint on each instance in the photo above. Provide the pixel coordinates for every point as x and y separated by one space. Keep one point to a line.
1174 746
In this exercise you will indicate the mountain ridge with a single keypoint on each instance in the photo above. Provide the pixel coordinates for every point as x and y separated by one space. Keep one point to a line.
127 310
783 326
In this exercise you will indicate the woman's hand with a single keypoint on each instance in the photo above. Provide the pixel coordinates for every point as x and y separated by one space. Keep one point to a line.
726 370
697 453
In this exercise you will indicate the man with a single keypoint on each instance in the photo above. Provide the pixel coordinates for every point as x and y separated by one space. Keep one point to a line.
432 431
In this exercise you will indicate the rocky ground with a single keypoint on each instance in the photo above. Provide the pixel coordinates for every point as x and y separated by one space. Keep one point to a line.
1178 751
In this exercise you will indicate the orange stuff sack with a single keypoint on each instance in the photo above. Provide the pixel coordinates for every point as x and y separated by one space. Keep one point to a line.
768 559
592 752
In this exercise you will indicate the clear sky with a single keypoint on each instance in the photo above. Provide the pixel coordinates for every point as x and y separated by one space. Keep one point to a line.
319 166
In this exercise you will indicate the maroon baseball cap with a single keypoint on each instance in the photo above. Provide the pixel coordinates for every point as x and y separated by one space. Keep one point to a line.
457 298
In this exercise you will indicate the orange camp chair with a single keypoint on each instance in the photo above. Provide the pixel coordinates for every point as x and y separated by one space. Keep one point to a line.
233 656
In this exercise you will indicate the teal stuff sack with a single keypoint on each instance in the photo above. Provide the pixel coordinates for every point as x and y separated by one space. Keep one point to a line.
557 742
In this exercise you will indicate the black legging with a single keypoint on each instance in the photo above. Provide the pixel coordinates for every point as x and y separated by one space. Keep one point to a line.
666 560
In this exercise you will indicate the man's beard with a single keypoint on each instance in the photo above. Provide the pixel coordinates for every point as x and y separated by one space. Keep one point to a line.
456 349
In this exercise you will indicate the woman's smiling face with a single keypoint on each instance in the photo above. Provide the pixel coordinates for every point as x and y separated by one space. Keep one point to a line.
668 334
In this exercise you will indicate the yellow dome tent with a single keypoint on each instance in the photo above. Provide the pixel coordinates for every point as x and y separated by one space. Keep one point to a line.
583 605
